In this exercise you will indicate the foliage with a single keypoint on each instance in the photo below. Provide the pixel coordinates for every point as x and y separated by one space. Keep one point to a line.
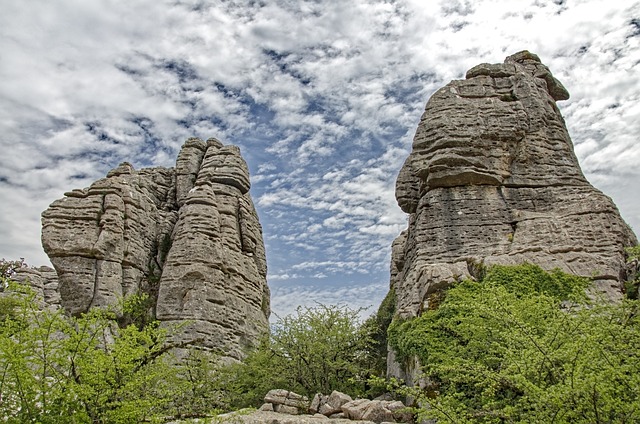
249 381
114 365
198 387
60 369
634 252
8 269
528 279
376 327
107 367
137 311
525 346
317 349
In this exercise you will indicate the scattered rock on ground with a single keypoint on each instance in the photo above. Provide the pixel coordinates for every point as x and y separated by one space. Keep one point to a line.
337 407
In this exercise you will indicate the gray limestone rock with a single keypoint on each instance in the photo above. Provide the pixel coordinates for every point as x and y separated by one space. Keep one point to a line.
44 282
493 179
377 411
188 236
334 403
318 400
286 402
267 417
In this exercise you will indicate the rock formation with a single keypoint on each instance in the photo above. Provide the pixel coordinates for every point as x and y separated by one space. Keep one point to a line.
188 236
492 179
44 282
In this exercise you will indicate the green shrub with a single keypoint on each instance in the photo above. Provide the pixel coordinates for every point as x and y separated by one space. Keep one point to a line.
522 346
632 285
60 369
317 349
376 328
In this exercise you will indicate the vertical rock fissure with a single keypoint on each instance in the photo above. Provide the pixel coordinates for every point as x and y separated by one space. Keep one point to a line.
96 266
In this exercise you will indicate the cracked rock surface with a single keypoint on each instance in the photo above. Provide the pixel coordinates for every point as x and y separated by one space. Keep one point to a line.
493 179
188 236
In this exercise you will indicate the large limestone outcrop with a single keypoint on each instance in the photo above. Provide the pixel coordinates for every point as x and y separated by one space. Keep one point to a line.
492 178
189 236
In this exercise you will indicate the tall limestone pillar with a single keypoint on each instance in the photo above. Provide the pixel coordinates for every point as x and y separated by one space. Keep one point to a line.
188 236
492 178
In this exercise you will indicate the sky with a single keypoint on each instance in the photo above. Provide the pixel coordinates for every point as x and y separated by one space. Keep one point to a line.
322 97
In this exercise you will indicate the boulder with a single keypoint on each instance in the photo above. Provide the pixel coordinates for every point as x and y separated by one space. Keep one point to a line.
318 400
286 402
377 411
333 404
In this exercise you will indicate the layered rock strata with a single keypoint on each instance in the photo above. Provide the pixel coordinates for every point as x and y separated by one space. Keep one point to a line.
44 282
188 236
493 179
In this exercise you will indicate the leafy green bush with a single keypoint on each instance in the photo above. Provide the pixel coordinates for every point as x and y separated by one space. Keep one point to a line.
376 328
60 369
317 349
525 346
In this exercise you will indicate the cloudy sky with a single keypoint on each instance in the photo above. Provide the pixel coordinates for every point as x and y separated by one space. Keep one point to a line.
323 98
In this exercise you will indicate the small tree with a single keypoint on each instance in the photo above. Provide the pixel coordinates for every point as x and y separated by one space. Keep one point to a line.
317 349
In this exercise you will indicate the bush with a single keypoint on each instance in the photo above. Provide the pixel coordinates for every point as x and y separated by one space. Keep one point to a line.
522 346
376 328
317 349
59 369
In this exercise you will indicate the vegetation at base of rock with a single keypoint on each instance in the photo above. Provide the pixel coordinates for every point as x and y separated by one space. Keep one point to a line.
112 366
524 345
376 326
87 369
520 345
316 350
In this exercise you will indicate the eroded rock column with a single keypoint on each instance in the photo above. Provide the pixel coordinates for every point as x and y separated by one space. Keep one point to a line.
188 236
492 179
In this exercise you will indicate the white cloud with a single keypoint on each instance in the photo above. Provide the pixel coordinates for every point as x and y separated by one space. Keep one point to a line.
286 298
323 99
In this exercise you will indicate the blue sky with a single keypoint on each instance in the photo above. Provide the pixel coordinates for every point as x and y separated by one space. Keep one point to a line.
323 98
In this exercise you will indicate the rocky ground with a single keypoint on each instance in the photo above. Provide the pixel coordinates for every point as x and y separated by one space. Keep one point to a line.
285 407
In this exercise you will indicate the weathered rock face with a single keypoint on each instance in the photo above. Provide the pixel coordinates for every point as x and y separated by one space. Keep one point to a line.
189 236
44 282
492 178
